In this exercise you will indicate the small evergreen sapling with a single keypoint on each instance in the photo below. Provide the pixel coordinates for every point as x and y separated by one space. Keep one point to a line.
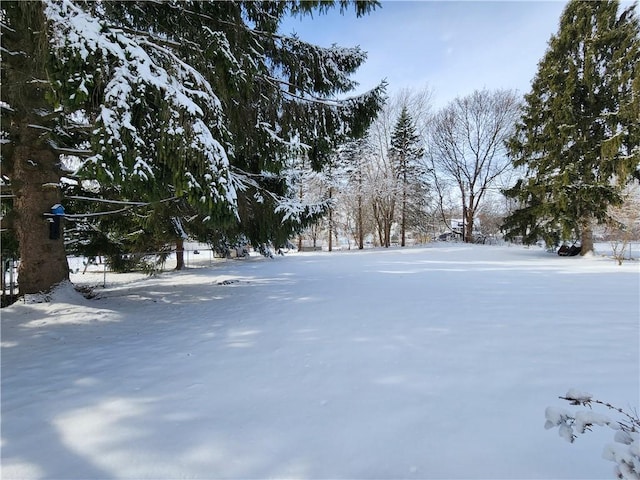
625 452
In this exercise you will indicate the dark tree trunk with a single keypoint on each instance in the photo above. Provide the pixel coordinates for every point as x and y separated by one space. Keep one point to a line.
179 253
360 224
32 164
43 261
387 232
468 221
377 215
330 222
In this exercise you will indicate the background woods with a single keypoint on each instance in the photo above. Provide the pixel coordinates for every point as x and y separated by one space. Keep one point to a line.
117 113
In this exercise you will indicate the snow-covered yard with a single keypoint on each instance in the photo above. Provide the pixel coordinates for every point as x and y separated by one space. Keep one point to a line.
426 362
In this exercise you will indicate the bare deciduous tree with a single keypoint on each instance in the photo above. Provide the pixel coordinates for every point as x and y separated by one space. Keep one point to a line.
355 157
467 146
384 193
624 222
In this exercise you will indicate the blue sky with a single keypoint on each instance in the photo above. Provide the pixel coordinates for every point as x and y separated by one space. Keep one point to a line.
453 47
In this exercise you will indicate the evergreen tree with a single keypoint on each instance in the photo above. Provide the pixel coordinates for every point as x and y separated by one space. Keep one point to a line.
405 153
134 235
382 180
201 100
578 137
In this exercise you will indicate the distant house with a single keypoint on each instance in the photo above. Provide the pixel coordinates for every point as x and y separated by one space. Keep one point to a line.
456 225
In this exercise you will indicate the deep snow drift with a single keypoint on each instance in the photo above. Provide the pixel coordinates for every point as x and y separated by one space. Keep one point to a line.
426 362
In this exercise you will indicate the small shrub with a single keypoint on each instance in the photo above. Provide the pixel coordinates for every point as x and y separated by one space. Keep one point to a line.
625 452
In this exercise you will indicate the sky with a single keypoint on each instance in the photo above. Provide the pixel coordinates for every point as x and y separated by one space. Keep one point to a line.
450 47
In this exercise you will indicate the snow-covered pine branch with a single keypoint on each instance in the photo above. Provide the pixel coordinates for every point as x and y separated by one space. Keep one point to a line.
324 71
289 207
160 98
116 202
144 80
297 211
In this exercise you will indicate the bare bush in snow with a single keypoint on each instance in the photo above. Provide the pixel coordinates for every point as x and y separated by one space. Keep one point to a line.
624 222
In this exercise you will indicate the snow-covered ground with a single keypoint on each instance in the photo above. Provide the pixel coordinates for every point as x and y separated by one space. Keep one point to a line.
426 362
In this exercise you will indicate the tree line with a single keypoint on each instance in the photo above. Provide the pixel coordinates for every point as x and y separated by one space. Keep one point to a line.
146 123
417 170
553 166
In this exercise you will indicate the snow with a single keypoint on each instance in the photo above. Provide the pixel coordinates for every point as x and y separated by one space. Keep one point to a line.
577 395
135 64
426 362
626 456
584 419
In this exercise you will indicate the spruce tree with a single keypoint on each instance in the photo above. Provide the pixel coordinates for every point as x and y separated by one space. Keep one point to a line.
405 153
578 138
204 101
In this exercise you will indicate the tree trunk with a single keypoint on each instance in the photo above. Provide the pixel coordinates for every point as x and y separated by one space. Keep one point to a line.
586 238
387 232
389 220
301 194
377 215
360 224
469 220
179 253
33 166
35 179
330 221
330 248
403 221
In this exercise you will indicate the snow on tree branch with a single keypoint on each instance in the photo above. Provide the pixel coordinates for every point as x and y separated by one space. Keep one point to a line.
290 208
625 452
295 210
326 70
145 82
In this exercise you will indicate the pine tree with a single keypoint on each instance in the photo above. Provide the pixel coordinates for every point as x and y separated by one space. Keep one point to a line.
405 153
200 100
578 137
